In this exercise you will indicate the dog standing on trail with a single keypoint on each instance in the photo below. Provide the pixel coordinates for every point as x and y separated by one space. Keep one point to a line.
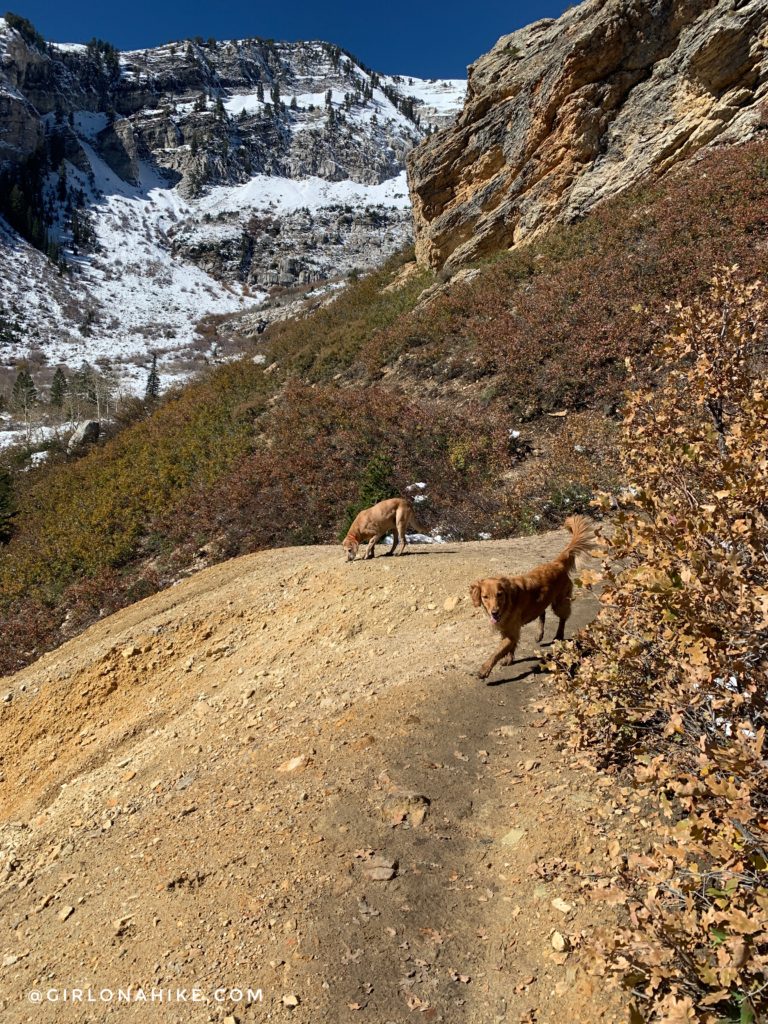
513 601
393 515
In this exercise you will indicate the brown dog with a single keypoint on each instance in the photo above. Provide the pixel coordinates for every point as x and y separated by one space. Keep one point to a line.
511 602
393 515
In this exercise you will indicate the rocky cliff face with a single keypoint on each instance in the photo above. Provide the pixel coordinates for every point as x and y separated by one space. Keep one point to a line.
565 113
190 179
216 112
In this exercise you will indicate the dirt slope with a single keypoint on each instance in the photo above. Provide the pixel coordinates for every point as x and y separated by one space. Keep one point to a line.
201 791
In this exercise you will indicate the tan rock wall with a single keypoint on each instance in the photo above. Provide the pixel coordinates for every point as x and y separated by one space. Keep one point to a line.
565 113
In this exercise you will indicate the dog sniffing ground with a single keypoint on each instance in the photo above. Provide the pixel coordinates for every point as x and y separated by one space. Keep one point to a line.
283 774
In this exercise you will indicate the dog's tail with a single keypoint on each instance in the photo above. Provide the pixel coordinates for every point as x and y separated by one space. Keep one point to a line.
412 525
582 541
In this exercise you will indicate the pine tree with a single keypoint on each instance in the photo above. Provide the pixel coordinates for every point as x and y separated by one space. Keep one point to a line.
24 392
59 386
152 392
82 390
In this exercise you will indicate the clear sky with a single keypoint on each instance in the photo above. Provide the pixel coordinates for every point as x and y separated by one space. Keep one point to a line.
424 39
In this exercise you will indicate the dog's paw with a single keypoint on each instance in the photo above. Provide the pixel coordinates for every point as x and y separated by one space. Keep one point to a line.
484 672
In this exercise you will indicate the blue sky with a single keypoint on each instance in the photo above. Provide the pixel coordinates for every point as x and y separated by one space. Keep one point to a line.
424 39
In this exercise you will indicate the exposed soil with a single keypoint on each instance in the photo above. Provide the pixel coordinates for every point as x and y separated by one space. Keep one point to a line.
211 788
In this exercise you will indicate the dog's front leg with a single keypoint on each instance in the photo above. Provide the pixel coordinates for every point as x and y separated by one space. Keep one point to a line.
507 650
371 546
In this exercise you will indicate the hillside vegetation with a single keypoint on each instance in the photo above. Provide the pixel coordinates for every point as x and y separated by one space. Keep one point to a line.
387 386
668 684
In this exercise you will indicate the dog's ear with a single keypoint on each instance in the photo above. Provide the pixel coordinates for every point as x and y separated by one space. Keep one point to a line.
474 593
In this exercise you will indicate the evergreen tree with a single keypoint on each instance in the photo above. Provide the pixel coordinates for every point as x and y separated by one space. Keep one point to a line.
24 392
25 28
260 92
82 391
59 386
82 229
152 392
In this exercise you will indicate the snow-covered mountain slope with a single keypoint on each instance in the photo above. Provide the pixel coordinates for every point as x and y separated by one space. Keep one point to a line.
438 100
187 180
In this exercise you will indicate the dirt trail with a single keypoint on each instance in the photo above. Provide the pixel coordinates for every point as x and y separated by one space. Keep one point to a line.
207 792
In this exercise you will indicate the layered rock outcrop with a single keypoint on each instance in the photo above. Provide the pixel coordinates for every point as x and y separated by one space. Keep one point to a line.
208 113
565 113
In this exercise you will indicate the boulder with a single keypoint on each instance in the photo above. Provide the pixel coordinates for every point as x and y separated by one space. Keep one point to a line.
87 433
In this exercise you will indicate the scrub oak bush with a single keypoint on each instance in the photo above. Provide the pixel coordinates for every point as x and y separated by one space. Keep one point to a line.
91 519
330 340
670 680
323 451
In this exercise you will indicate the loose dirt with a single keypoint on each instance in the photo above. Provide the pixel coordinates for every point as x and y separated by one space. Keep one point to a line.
282 775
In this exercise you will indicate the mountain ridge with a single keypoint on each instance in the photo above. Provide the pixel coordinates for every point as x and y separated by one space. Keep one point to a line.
194 177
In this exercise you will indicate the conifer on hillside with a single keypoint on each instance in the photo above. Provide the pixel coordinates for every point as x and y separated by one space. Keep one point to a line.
59 386
152 392
24 392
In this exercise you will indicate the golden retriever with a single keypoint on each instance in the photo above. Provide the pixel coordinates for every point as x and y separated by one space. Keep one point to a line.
393 515
511 602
